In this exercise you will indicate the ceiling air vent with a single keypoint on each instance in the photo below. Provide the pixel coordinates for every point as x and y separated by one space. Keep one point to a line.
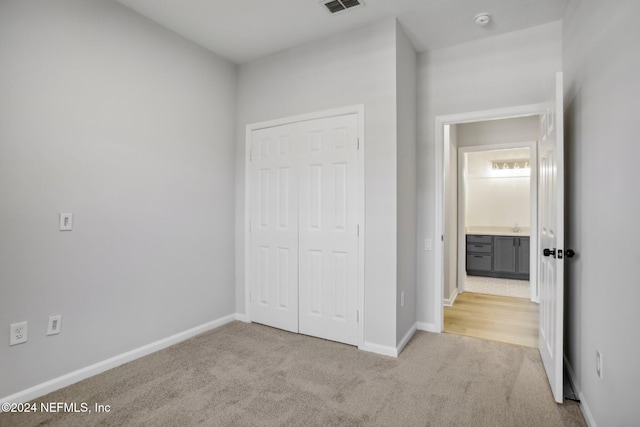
335 6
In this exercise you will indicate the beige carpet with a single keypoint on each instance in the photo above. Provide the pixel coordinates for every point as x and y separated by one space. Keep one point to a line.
253 375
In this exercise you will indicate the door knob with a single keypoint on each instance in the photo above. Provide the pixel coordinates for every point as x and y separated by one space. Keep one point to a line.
569 253
547 252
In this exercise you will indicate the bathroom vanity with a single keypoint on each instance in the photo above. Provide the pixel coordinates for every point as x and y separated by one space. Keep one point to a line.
499 255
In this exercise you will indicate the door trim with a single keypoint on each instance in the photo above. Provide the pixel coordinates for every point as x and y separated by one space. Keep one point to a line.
340 111
441 121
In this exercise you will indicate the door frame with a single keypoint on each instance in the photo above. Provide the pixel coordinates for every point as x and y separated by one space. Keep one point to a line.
357 109
533 209
453 119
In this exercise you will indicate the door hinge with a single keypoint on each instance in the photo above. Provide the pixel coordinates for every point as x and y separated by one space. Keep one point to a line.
358 146
357 316
442 237
250 155
249 296
358 231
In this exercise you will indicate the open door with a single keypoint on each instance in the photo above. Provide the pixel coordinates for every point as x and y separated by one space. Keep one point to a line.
273 274
551 238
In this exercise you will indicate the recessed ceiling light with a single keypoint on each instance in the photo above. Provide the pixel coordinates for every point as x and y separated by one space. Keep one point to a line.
482 19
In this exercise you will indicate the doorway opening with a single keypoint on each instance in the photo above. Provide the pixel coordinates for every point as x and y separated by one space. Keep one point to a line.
467 143
496 205
548 239
490 205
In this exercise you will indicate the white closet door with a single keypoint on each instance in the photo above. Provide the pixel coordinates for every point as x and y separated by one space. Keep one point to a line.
274 229
328 195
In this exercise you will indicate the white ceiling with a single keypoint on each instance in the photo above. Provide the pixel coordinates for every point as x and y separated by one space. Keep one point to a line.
244 30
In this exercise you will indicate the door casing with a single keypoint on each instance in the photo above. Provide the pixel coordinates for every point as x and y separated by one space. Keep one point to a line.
441 121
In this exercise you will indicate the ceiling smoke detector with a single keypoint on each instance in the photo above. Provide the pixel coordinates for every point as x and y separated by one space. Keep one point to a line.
336 6
482 19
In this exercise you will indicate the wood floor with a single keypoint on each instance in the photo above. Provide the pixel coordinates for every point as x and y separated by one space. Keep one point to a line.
494 318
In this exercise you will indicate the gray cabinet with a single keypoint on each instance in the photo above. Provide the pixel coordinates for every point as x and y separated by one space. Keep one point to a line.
504 250
498 256
523 256
479 254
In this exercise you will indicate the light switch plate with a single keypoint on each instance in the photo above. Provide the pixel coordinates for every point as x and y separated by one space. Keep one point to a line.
55 324
66 221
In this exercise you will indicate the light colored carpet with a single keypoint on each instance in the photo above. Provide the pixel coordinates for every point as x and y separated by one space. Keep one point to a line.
252 375
497 286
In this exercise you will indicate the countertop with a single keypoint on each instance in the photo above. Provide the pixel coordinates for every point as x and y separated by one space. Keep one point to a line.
499 231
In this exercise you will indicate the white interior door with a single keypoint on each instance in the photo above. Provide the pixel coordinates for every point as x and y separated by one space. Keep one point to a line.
328 223
274 228
303 247
551 238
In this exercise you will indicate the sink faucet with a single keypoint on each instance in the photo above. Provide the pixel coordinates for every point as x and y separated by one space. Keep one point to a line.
516 229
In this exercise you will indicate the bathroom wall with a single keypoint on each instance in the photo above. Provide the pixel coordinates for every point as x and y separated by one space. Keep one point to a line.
499 198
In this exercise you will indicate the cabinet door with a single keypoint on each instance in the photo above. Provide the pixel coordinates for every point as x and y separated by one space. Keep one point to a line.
523 255
479 263
504 254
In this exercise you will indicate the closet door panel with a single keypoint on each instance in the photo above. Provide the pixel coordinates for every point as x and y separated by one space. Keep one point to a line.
328 236
273 272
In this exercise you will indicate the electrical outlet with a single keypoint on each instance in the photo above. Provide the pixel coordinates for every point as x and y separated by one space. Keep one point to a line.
598 364
55 323
402 299
17 333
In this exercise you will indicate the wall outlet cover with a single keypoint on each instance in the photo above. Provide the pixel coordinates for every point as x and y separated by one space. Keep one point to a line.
18 333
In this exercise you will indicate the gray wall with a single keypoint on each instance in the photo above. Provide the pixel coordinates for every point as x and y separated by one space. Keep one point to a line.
358 67
602 82
406 81
130 127
505 131
511 69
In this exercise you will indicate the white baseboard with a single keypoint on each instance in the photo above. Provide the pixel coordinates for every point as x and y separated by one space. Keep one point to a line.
449 301
584 407
429 327
97 368
406 339
379 349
